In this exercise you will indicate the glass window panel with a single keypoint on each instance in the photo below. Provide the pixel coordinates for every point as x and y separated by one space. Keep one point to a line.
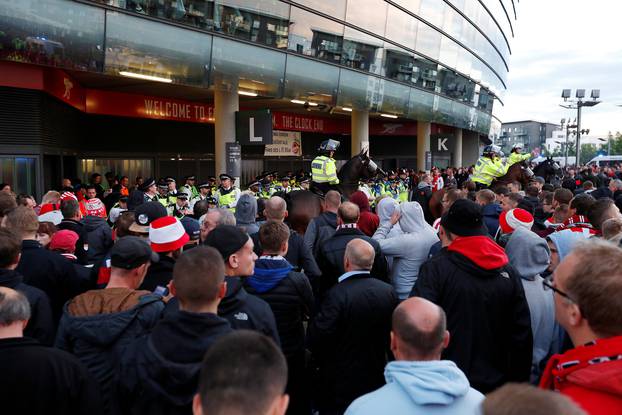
428 41
136 46
453 23
334 8
420 105
449 52
52 32
399 64
312 81
425 73
361 51
370 15
395 98
249 67
25 175
433 11
359 91
456 86
401 27
313 35
261 21
412 6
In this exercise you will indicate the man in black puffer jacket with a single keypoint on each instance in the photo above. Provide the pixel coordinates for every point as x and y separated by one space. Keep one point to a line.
487 312
290 297
330 257
159 373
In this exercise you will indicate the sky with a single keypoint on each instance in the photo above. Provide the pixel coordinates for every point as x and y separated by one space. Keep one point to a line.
566 44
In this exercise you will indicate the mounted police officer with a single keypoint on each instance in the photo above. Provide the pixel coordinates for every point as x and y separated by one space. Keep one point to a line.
489 167
516 156
323 167
227 195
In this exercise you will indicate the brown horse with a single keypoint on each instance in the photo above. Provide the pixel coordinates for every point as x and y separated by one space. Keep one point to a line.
516 173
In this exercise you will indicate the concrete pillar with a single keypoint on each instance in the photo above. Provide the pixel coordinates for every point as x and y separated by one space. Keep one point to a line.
359 122
423 142
457 162
470 146
226 103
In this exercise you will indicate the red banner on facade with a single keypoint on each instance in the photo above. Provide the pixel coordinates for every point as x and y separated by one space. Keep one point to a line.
65 88
143 106
309 123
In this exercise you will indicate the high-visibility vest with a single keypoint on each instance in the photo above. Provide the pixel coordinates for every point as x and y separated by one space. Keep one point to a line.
228 199
324 170
486 170
517 158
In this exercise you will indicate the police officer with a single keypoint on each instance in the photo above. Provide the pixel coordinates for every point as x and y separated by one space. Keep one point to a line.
181 207
189 187
265 186
488 167
150 190
172 186
304 183
163 196
323 167
516 156
205 190
285 186
254 187
227 195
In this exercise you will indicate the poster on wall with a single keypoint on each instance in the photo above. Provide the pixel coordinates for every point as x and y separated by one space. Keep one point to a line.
284 143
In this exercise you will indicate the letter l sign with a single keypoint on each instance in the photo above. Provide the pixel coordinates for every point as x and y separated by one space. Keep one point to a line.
251 132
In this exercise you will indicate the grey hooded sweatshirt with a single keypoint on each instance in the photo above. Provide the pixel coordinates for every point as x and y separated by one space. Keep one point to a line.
246 213
529 255
408 250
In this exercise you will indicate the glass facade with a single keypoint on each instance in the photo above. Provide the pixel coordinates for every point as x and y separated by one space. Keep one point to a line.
442 60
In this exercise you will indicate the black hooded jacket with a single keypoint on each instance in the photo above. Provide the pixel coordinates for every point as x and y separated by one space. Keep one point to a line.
40 325
487 312
159 372
241 309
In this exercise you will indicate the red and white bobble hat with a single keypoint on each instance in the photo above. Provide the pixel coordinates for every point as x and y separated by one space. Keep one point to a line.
167 234
512 219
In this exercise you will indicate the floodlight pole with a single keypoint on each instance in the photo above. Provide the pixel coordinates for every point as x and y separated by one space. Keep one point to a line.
578 143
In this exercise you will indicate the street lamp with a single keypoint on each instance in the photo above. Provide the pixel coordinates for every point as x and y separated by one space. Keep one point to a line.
577 104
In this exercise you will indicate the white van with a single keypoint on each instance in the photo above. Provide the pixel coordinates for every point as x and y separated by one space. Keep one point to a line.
602 161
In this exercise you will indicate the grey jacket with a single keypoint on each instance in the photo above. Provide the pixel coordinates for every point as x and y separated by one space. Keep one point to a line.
529 255
408 250
246 213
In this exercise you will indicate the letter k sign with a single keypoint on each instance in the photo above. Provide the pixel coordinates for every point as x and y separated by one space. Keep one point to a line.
441 144
251 132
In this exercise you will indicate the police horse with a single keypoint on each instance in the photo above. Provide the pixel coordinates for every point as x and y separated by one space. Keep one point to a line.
303 205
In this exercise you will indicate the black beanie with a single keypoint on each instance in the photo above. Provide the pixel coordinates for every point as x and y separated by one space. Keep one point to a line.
227 239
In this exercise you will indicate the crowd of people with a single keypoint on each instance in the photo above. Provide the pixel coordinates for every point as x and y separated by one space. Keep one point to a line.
205 299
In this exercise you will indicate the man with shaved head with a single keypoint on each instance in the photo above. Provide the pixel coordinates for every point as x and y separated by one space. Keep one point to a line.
298 254
418 379
349 336
330 257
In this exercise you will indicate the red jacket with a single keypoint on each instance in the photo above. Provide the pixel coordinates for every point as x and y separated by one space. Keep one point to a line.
590 375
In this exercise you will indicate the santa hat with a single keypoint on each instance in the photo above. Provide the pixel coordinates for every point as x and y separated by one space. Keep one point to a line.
95 207
512 219
167 234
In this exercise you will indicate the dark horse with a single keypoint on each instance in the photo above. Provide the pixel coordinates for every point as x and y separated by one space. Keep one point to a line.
357 168
304 205
549 170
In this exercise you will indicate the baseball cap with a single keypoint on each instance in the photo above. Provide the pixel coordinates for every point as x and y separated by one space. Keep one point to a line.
464 218
64 241
145 214
130 252
167 234
227 239
192 227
